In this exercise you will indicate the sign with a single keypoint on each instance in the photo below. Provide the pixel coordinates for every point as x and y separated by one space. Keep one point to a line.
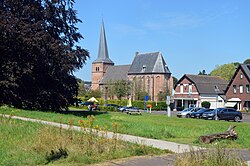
146 98
168 100
149 106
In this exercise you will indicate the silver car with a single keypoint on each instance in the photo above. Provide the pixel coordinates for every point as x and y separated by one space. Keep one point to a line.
187 112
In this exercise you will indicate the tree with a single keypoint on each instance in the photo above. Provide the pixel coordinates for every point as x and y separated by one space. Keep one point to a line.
121 88
247 61
203 72
39 53
81 87
225 71
205 104
175 80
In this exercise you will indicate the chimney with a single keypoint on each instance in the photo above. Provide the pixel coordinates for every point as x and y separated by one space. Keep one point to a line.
136 53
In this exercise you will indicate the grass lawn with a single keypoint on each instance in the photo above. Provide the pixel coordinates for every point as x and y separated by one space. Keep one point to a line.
27 143
152 126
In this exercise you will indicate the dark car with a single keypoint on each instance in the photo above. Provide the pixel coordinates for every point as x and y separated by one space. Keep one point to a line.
199 113
223 114
87 103
112 105
187 112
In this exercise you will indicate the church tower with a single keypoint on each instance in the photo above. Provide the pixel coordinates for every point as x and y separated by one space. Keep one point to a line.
100 65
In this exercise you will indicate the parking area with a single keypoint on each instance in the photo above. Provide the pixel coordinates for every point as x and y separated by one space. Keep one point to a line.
245 118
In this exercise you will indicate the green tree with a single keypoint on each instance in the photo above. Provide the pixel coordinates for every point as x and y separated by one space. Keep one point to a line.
81 88
203 72
247 61
205 104
95 93
225 71
122 88
175 80
39 53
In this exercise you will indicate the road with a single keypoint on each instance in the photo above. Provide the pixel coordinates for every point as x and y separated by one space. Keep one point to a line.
246 116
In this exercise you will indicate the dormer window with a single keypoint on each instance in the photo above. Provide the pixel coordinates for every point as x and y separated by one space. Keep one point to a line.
144 67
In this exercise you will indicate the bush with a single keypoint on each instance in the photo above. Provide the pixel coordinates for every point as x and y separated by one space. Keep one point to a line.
161 105
205 104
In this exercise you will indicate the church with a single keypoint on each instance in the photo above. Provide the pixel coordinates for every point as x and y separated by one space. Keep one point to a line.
148 72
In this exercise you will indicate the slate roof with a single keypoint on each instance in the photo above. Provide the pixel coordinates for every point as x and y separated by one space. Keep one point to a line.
103 55
208 84
148 63
115 73
246 70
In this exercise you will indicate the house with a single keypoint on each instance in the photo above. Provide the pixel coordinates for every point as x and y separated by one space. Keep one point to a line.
148 72
194 89
237 92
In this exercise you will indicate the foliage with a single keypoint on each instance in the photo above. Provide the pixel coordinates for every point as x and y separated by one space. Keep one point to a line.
247 61
121 88
162 95
81 88
205 104
175 80
94 93
39 53
160 105
203 72
225 71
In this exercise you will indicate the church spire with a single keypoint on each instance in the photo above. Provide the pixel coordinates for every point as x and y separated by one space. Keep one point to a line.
103 55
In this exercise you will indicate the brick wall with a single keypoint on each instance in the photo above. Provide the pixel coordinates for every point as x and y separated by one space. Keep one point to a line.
238 80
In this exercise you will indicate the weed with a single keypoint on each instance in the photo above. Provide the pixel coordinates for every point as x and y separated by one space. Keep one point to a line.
217 156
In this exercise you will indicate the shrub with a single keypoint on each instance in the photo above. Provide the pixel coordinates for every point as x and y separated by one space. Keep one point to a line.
205 104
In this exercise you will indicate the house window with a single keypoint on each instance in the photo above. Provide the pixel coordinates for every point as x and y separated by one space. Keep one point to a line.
181 88
241 88
241 76
234 89
247 88
148 84
190 88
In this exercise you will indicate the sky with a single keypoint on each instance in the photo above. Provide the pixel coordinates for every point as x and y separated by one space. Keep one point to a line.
192 35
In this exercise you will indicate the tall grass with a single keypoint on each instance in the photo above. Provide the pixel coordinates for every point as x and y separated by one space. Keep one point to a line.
26 143
217 156
153 126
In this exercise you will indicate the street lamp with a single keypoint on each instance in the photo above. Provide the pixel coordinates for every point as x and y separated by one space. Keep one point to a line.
216 89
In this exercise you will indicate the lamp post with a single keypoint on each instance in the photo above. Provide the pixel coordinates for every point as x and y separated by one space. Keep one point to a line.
168 103
216 89
106 102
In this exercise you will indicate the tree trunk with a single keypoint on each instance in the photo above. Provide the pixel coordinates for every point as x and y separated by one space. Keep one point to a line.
229 134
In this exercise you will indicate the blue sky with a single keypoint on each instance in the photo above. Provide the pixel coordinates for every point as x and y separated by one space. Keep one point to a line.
191 34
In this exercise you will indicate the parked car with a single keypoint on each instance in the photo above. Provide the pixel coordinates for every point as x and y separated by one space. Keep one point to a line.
122 109
129 110
112 105
133 110
199 113
223 114
87 103
187 112
91 105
